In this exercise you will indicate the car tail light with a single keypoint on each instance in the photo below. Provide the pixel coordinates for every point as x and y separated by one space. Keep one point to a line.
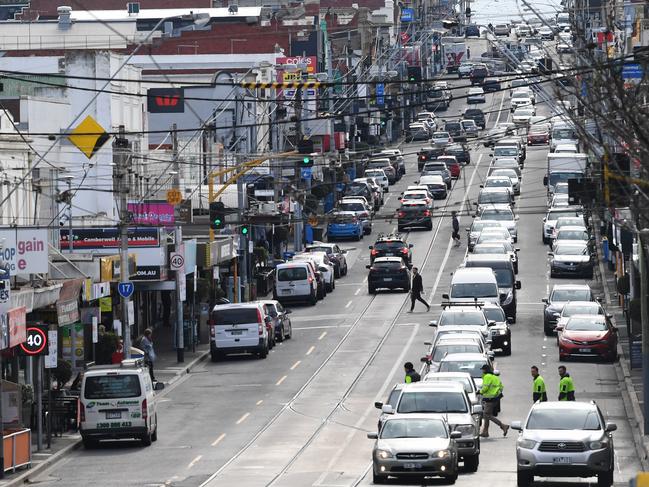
310 279
422 158
401 214
212 331
145 410
364 214
404 251
261 329
426 213
374 252
82 412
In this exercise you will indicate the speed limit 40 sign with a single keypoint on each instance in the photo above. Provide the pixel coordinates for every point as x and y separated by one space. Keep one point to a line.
36 343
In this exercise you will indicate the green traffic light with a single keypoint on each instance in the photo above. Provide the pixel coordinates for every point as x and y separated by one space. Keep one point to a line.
217 222
306 160
244 230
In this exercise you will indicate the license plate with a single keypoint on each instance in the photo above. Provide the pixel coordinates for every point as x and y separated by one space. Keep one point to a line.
561 460
412 465
286 291
236 332
387 279
585 350
113 415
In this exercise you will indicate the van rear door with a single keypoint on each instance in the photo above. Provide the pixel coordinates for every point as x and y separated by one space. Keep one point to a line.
293 280
112 401
237 326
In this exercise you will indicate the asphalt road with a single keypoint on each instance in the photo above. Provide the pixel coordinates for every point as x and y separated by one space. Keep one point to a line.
300 417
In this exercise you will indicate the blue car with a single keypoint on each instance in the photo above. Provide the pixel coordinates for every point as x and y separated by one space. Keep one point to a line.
343 225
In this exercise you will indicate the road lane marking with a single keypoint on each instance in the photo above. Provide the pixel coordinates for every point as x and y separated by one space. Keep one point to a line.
319 327
195 461
365 280
324 333
279 382
219 439
242 418
359 289
259 402
349 304
294 366
310 350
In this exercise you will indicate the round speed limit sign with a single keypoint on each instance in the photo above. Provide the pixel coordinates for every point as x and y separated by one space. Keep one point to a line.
36 342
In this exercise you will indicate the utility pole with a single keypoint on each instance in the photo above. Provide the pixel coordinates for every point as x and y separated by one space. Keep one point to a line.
180 273
122 159
643 240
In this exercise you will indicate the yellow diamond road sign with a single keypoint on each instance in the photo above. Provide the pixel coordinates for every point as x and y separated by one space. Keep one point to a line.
89 136
174 197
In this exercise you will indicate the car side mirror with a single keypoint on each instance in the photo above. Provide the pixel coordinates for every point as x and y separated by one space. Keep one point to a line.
445 296
491 323
456 435
467 229
371 247
433 323
368 266
399 198
387 409
378 404
425 360
545 180
482 185
373 436
491 355
558 328
288 311
491 154
477 409
496 372
517 250
545 300
410 246
158 386
510 319
598 299
518 284
516 425
610 427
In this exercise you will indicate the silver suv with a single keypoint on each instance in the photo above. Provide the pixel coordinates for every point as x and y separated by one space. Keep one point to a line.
565 439
446 400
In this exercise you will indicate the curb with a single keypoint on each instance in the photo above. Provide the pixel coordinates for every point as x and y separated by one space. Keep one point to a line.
24 477
623 373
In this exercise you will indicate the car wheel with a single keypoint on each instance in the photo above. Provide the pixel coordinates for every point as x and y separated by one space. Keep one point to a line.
508 349
345 271
451 479
545 240
263 353
330 288
524 479
379 479
371 289
290 332
88 443
429 226
400 229
215 356
471 463
514 318
154 435
548 331
359 236
313 299
146 439
280 337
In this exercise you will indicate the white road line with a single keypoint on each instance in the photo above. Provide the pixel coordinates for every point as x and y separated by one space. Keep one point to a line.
195 461
450 240
365 280
293 367
219 439
359 289
386 200
242 418
310 350
319 327
349 303
279 382
259 402
324 334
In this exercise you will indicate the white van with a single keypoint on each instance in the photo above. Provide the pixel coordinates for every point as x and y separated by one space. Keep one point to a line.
118 401
469 284
238 328
295 281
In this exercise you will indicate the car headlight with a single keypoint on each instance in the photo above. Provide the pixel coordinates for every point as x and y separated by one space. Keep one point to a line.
466 429
509 298
500 332
443 454
384 454
567 340
598 445
526 444
556 314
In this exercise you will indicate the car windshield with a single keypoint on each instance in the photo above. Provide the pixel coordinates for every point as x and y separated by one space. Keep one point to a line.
569 222
504 277
440 135
564 419
491 237
498 183
352 207
291 274
432 402
375 174
568 134
572 235
495 197
475 318
494 314
478 225
577 323
417 428
491 214
570 250
581 309
561 295
387 265
466 382
389 245
510 173
442 350
474 290
489 249
555 215
112 386
521 94
505 151
328 250
472 367
414 196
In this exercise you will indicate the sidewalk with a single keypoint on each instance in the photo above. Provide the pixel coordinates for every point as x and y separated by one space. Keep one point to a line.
167 370
630 379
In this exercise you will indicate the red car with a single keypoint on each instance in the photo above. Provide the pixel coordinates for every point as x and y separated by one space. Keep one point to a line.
452 164
538 135
591 336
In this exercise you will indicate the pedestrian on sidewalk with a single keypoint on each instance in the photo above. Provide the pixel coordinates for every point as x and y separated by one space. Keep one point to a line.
456 229
538 386
491 392
566 385
416 289
411 373
149 353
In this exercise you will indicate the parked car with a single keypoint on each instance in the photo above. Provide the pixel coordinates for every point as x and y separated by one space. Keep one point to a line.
337 256
240 328
279 317
344 225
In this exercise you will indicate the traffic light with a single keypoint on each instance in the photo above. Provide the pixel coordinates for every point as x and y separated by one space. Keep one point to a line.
414 74
217 215
245 230
307 161
305 146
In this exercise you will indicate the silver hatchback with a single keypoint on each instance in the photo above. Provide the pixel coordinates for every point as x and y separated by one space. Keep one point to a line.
565 439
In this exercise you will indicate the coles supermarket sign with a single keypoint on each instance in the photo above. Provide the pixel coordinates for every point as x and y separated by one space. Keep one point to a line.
25 250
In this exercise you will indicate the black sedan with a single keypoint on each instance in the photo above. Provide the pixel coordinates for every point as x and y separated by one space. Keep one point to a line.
414 214
571 259
388 273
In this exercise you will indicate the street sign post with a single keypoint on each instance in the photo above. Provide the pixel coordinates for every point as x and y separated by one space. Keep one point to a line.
36 343
125 289
380 94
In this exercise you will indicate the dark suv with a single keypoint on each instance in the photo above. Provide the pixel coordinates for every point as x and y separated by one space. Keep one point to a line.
388 272
560 295
478 74
455 130
414 215
428 154
460 151
392 245
477 116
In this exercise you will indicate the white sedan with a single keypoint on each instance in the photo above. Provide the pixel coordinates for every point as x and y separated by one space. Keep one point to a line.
522 115
475 95
441 138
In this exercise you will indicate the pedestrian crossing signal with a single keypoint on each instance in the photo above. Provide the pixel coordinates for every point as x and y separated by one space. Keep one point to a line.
217 215
245 230
307 161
